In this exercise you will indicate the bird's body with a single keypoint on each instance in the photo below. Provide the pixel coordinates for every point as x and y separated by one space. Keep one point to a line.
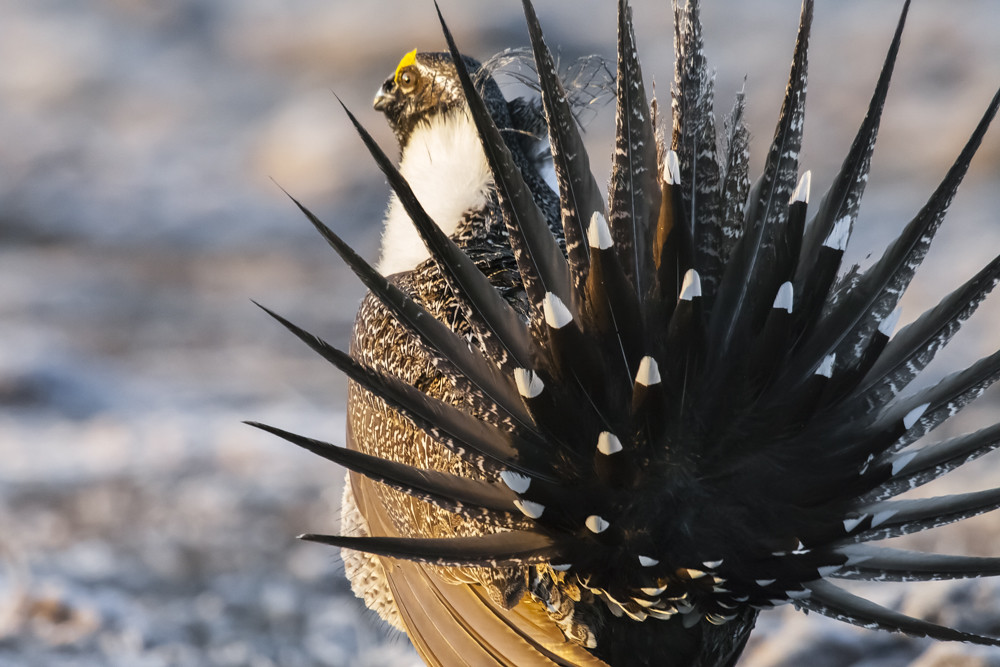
589 434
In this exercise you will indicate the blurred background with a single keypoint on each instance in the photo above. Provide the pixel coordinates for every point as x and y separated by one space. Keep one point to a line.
141 149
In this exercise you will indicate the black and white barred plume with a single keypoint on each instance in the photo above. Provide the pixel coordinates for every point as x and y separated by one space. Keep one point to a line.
611 433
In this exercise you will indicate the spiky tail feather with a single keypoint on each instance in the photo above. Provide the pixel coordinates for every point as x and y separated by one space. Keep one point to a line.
692 424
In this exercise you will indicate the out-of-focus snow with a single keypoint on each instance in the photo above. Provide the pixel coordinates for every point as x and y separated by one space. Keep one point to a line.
140 522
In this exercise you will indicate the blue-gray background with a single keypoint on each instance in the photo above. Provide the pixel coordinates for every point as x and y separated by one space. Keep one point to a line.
140 522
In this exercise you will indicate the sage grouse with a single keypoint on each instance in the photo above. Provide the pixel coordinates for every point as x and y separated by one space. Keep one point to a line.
589 432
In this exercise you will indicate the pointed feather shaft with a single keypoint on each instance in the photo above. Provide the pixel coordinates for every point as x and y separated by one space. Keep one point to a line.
775 338
736 181
612 307
885 564
797 209
916 344
694 141
495 550
672 248
902 517
837 603
634 197
910 469
544 408
445 490
684 341
570 354
579 194
922 412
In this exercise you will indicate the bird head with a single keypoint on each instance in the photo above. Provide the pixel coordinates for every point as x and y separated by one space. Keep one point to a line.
425 85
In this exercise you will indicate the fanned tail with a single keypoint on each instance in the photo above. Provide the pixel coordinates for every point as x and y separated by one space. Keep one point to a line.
689 419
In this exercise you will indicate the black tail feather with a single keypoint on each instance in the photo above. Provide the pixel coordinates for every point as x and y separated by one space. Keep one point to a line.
915 345
837 603
461 495
852 320
870 563
484 446
495 550
694 141
579 194
634 197
912 468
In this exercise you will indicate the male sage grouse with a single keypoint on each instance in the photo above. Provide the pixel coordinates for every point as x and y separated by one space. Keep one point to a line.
589 431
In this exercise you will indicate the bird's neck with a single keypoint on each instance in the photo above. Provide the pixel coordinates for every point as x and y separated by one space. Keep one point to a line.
444 163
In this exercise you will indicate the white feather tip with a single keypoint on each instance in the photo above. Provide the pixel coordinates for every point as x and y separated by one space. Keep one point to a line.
608 443
785 297
649 372
691 286
599 234
672 169
557 315
802 189
529 385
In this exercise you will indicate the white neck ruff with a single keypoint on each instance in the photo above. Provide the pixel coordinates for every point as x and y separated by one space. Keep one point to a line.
445 165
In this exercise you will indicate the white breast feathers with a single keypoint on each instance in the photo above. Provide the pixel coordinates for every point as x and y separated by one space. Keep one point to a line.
445 165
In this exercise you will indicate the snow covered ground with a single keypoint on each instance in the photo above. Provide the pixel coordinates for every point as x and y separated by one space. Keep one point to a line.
140 522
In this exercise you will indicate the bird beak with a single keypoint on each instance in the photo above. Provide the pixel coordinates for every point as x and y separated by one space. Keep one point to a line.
382 98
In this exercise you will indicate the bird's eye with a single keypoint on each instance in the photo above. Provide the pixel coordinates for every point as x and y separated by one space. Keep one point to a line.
407 79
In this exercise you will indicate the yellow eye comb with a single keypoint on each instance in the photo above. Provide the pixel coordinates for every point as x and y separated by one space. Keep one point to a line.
407 60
